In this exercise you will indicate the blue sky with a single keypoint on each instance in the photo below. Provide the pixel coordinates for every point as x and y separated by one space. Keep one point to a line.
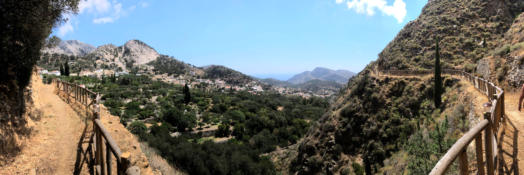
263 38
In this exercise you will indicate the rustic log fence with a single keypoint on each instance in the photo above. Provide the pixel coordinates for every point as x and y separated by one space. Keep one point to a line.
490 126
101 137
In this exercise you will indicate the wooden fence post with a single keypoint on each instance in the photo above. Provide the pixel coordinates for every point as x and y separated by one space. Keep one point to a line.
478 149
99 144
489 145
463 162
108 158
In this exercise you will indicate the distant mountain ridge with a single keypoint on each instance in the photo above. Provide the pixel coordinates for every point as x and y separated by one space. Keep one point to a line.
320 73
70 47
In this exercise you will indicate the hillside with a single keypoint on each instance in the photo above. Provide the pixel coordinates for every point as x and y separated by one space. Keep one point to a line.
320 73
468 31
229 75
377 119
505 62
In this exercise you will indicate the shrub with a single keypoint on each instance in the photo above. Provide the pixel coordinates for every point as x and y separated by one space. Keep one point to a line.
357 168
138 128
501 51
470 67
223 131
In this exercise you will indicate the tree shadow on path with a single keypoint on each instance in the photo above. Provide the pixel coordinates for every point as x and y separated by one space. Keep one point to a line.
508 149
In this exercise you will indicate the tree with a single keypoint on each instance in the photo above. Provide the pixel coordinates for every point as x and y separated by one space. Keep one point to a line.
62 70
66 68
24 26
223 130
181 121
239 131
187 94
438 89
138 128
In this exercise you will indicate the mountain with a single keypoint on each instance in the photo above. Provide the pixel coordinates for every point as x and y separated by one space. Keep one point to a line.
375 122
133 52
138 51
70 47
276 83
320 73
228 75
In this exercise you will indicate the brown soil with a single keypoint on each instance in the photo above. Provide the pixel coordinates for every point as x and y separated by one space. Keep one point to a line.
513 139
58 142
52 147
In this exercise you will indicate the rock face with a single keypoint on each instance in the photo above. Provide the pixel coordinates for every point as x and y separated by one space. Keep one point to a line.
320 73
132 53
513 68
139 52
70 47
483 68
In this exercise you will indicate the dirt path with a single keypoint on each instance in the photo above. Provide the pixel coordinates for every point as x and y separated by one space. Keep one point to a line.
514 141
52 147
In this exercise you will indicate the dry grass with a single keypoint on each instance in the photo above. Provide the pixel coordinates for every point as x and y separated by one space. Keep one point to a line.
156 162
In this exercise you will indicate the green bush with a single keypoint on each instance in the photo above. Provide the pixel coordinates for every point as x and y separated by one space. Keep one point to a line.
357 168
223 131
138 128
501 51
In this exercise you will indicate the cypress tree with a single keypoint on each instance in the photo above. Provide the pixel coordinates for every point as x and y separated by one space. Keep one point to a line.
187 94
66 68
61 69
438 89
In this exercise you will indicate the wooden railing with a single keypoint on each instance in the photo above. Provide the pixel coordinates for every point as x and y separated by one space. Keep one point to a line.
101 137
490 126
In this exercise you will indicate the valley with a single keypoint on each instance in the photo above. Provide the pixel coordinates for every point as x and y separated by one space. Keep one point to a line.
441 97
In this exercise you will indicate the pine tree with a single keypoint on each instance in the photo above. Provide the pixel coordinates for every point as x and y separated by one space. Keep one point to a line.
438 89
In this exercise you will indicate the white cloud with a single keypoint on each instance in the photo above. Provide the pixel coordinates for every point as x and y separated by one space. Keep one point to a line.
65 28
145 4
397 10
100 11
103 10
103 20
94 6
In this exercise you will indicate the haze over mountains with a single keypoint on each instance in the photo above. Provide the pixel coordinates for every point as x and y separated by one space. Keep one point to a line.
320 73
71 47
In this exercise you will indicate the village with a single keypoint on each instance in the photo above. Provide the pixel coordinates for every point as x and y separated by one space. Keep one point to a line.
194 81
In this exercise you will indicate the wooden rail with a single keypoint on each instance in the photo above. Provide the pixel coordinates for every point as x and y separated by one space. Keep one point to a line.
489 127
102 138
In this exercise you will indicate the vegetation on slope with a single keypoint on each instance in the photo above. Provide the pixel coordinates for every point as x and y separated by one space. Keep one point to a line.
229 75
375 119
165 64
468 30
155 110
